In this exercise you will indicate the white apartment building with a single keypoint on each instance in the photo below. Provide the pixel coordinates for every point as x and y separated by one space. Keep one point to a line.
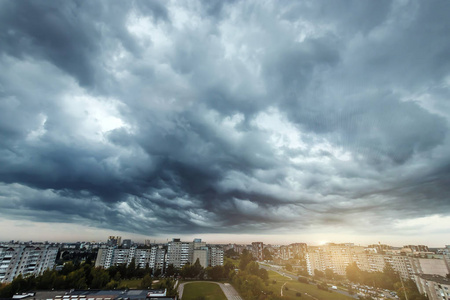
112 256
215 256
25 260
157 257
179 253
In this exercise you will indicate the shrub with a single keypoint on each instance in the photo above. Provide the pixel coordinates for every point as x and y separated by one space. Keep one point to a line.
303 279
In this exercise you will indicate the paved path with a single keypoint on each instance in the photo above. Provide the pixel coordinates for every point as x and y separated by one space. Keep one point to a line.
227 289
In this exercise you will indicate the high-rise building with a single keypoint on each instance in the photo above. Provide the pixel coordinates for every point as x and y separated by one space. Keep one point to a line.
111 256
202 255
158 257
257 250
179 253
26 260
215 256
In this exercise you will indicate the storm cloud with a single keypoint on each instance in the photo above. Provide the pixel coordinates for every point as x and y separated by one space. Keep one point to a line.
220 117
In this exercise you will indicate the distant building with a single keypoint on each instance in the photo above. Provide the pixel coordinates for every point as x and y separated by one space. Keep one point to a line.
114 241
257 250
293 251
126 244
215 256
338 256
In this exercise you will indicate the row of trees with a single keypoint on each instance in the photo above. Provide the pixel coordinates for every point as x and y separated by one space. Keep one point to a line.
76 276
196 271
251 280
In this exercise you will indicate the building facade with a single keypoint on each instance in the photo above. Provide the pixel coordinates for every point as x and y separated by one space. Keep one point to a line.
26 260
257 250
158 257
435 287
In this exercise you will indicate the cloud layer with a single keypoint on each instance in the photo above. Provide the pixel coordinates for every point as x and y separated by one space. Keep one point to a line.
223 117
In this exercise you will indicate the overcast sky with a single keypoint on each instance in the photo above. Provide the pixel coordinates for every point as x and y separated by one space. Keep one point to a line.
283 121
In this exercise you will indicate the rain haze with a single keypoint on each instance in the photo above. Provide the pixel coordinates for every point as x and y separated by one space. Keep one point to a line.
233 121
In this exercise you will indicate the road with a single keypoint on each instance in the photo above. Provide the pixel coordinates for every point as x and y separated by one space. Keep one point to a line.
227 289
295 277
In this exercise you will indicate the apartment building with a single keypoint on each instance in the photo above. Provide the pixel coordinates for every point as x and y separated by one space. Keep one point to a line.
293 251
158 257
179 253
338 256
435 287
257 250
31 259
332 256
112 256
215 256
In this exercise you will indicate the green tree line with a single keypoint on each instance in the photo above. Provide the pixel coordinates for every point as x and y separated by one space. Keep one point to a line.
76 276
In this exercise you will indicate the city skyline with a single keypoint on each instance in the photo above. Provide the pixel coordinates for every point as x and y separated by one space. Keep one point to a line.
278 121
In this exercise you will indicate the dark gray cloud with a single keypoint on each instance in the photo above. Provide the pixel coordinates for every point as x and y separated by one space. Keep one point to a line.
220 117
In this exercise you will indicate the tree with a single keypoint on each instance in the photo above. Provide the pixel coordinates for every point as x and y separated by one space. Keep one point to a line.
67 268
117 276
411 290
171 270
329 274
197 268
228 269
252 268
263 274
267 255
318 273
76 280
353 273
146 282
390 276
131 269
231 253
215 273
288 267
100 278
246 257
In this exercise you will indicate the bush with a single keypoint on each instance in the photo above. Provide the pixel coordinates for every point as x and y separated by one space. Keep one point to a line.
298 294
286 288
303 279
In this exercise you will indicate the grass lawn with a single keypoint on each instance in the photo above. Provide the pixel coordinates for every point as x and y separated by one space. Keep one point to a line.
210 291
130 283
299 287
